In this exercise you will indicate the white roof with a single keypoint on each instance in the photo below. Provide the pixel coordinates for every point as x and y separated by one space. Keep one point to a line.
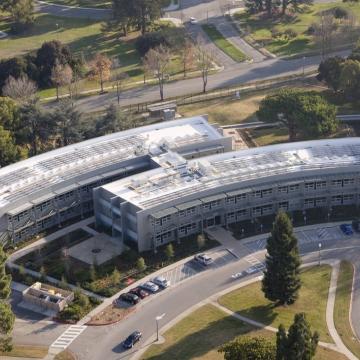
166 186
57 169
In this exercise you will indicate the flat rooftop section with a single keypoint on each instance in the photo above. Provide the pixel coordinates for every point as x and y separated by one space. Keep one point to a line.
168 186
53 171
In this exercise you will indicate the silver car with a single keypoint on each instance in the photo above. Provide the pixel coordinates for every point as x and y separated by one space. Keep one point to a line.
150 286
161 281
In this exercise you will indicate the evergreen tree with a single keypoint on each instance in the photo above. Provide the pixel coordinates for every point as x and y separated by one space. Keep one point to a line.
115 277
140 264
299 343
7 317
281 281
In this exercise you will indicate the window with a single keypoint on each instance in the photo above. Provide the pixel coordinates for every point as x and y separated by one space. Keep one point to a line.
337 183
241 213
320 201
257 210
294 187
309 202
230 215
230 200
347 182
320 184
309 186
348 197
240 197
283 189
336 199
266 192
284 205
257 193
267 208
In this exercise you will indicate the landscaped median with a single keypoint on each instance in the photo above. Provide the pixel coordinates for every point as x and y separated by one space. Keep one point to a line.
223 44
342 308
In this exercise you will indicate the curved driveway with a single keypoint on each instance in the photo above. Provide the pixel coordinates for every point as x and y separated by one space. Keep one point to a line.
178 299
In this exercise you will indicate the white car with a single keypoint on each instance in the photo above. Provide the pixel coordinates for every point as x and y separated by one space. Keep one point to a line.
193 20
161 281
150 286
251 270
237 275
203 259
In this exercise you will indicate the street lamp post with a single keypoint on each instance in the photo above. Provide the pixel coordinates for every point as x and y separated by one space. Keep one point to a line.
303 66
319 253
158 318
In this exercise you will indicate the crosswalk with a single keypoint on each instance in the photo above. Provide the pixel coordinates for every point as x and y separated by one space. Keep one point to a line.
67 337
254 262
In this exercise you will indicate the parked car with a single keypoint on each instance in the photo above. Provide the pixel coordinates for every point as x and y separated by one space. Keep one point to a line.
132 339
237 275
161 281
251 270
193 20
130 298
150 286
203 259
346 229
139 292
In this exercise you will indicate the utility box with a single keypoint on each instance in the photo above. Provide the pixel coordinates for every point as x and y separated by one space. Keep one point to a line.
163 111
168 114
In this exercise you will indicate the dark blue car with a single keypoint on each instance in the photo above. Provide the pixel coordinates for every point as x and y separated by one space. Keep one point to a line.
132 339
346 229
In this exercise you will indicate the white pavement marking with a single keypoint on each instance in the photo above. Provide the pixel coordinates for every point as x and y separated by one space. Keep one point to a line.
67 337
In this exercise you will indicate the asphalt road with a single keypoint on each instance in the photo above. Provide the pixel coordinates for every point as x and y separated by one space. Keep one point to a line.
177 299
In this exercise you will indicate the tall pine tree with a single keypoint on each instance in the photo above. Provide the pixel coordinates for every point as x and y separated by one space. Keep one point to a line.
7 317
299 343
281 282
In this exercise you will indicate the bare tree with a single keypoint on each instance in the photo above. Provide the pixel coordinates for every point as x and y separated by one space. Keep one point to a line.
204 61
324 32
118 78
21 89
61 75
100 69
157 61
187 55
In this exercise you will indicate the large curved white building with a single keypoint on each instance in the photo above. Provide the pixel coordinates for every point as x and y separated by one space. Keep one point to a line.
56 187
183 197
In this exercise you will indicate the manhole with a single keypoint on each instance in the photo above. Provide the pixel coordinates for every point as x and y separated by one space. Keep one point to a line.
96 251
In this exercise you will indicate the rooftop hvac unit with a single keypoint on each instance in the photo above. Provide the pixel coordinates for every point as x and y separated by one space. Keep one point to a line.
168 114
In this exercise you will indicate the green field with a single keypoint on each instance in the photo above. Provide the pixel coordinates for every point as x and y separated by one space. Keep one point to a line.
223 44
250 302
262 29
342 308
199 335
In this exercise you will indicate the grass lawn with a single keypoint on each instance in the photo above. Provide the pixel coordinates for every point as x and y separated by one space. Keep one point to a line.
65 355
261 29
27 351
250 302
270 136
199 335
223 44
342 308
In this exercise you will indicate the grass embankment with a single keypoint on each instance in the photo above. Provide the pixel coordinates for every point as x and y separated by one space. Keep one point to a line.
223 44
269 31
250 302
201 333
27 351
65 355
342 308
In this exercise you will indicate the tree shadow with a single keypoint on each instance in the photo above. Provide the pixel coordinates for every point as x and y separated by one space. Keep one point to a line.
262 313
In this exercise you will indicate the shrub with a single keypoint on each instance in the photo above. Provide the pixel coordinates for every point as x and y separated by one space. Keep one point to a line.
340 13
290 34
311 29
149 41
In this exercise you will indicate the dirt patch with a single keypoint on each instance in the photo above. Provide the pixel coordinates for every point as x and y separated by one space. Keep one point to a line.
110 315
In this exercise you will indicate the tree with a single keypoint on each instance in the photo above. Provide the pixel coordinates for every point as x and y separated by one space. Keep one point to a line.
42 274
119 78
330 71
50 54
7 318
114 120
306 114
68 122
8 150
169 252
324 32
61 75
36 126
248 348
15 67
295 3
115 277
100 69
21 12
299 343
140 264
201 241
143 12
281 281
187 55
350 79
204 61
21 89
157 61
9 114
92 273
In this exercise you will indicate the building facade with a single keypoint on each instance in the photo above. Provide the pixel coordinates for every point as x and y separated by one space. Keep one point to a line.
183 197
55 188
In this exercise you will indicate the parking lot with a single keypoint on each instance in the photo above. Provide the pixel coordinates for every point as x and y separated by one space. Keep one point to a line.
321 235
191 268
